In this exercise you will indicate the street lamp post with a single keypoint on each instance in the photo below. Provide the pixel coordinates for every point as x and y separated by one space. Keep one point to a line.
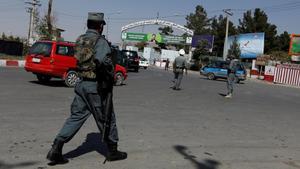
107 22
227 11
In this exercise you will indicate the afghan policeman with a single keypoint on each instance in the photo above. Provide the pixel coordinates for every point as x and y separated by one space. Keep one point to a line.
179 65
231 70
91 49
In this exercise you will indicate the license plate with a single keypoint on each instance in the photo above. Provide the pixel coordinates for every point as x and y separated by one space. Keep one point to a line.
36 60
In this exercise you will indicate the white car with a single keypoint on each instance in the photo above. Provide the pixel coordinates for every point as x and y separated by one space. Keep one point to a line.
143 63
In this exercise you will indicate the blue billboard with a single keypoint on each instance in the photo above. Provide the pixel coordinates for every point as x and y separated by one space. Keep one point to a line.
209 40
251 44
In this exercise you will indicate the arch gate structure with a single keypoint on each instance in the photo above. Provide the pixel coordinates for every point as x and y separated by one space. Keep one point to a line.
157 22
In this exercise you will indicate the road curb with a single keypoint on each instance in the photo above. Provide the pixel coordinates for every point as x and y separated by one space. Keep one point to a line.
12 63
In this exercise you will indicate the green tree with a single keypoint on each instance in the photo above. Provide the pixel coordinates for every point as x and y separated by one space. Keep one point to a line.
141 45
42 28
280 56
167 30
258 22
234 49
201 51
3 36
218 29
283 41
198 21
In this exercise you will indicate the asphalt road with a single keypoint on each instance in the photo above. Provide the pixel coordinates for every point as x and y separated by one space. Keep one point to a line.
195 128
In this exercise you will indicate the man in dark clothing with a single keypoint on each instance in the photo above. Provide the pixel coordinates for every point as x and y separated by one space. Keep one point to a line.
167 65
91 49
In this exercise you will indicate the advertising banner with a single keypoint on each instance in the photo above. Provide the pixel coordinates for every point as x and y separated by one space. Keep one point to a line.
157 38
208 39
294 45
134 36
251 44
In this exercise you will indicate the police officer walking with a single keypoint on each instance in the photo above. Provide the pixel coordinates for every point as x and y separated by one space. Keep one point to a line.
231 76
179 65
91 50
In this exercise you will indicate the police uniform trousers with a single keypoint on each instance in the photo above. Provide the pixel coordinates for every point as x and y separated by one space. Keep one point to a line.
230 82
178 78
86 101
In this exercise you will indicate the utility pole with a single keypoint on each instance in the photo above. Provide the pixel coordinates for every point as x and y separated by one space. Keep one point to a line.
107 22
228 13
49 19
29 10
32 10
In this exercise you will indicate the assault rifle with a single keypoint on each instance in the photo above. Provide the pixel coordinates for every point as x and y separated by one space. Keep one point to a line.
105 80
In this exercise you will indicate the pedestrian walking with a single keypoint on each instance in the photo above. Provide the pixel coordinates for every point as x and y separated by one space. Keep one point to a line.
179 65
167 65
231 70
92 52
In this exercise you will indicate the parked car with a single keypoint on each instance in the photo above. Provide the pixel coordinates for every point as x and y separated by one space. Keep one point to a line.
133 59
218 69
121 63
143 62
53 59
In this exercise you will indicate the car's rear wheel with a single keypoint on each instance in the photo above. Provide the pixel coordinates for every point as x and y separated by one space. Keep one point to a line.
211 76
145 67
43 78
71 78
136 69
119 79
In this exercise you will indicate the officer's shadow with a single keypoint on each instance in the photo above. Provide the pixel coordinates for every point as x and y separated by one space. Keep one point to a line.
92 143
205 164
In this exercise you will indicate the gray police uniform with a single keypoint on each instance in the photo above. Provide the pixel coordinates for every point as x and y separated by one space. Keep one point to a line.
88 100
231 76
179 65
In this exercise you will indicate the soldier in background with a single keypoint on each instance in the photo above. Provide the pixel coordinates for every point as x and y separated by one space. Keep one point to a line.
179 65
231 70
90 50
167 65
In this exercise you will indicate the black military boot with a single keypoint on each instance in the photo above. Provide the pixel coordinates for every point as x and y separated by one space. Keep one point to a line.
55 153
113 153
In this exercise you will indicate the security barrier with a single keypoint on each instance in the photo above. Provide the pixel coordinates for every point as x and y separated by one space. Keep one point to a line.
287 74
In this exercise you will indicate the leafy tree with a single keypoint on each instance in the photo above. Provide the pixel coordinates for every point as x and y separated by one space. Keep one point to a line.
201 51
280 56
258 22
42 28
167 30
141 45
234 49
283 41
198 21
218 29
3 36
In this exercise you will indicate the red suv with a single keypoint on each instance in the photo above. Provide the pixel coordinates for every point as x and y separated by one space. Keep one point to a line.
47 59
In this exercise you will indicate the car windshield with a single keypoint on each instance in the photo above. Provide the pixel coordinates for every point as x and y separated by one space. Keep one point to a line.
41 48
131 54
143 59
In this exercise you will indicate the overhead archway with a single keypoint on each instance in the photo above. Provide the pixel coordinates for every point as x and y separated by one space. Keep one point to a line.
157 22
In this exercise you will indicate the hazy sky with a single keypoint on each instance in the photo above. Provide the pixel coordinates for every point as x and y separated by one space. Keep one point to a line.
71 14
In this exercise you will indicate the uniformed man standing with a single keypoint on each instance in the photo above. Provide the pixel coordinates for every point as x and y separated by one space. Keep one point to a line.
91 49
179 65
231 76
